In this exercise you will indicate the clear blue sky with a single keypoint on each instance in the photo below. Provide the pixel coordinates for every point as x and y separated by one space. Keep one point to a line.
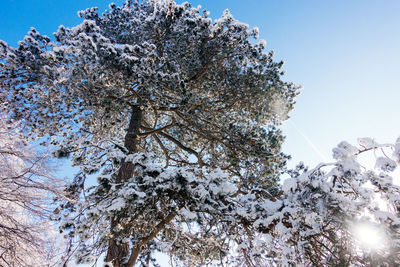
346 55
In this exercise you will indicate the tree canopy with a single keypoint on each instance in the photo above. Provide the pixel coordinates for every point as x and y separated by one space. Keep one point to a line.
196 81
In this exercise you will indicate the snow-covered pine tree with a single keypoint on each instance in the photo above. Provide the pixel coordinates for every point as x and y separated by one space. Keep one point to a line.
343 213
177 113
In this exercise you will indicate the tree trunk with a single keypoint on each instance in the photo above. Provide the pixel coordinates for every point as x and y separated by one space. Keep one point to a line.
118 253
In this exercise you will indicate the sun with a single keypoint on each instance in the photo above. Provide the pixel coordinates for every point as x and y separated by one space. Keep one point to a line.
369 235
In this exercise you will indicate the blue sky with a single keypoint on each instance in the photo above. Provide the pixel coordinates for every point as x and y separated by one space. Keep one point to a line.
345 54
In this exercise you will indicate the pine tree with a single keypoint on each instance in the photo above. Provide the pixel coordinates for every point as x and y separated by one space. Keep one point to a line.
177 113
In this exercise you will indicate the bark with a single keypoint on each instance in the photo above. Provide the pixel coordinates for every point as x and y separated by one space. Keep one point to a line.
117 253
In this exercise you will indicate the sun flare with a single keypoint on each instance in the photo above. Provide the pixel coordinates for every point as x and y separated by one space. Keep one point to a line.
369 235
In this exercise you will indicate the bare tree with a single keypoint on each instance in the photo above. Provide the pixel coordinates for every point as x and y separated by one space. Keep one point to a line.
26 188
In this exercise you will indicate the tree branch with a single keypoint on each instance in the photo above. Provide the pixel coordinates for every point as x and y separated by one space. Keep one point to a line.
164 149
136 250
181 146
154 131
